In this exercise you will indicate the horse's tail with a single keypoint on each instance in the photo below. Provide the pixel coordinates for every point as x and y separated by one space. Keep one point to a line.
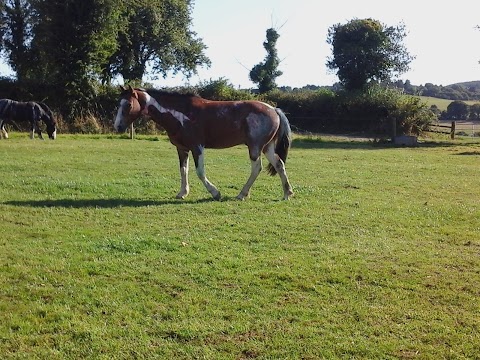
284 140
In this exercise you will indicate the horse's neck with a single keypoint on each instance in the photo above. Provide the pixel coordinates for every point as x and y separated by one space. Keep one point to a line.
169 118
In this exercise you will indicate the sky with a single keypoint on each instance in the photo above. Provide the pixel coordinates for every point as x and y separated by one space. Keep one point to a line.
442 36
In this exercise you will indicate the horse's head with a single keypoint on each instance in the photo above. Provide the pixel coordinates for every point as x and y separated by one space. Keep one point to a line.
129 109
51 128
49 120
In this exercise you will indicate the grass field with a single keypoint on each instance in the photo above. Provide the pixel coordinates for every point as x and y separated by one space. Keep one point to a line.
442 104
377 256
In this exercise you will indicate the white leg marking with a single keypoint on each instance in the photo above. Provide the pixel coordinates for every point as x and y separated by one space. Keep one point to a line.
3 132
184 187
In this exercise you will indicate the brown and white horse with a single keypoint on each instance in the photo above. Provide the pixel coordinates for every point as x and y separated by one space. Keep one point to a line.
193 124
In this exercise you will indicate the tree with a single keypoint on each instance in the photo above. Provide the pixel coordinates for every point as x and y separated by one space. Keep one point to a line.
156 33
474 112
71 45
16 33
71 42
366 51
457 110
74 38
265 73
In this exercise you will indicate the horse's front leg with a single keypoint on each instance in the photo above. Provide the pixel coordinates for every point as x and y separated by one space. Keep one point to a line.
184 187
198 157
3 131
38 130
35 129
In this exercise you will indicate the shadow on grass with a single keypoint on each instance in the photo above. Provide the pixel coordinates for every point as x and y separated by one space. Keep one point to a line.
355 142
327 143
470 153
103 203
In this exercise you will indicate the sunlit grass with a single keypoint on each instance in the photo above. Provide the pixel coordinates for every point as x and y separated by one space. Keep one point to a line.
376 256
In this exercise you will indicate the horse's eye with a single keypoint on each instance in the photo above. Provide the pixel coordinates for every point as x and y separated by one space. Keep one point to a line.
127 107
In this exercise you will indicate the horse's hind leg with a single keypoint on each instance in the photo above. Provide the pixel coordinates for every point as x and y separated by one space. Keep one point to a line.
256 168
279 165
32 131
184 187
198 157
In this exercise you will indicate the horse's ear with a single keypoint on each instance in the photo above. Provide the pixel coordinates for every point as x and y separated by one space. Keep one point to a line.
132 91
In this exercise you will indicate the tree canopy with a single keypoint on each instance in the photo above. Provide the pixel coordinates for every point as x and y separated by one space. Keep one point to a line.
365 50
457 110
71 44
265 73
156 33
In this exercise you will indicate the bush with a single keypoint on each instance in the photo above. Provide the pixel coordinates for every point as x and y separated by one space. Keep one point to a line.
221 89
412 116
378 108
86 124
307 110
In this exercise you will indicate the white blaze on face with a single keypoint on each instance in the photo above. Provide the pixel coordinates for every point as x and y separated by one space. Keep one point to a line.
119 117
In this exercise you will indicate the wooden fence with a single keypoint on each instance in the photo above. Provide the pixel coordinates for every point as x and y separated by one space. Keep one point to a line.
439 129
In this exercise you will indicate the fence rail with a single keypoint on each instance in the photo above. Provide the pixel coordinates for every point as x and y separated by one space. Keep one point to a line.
438 128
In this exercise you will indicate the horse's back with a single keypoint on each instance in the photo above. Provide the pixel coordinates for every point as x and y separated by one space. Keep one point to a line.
231 123
16 110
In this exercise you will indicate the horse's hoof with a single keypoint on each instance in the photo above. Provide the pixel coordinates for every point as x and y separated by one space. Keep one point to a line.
242 196
217 197
287 196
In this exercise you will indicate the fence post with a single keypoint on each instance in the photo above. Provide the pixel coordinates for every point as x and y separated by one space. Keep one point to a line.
132 131
452 131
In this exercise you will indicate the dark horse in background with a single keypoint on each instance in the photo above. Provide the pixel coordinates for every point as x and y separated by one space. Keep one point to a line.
31 112
193 124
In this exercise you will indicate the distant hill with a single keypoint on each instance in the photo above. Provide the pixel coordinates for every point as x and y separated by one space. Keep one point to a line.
468 84
465 91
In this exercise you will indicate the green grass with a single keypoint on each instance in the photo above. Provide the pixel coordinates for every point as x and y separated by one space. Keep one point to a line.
377 256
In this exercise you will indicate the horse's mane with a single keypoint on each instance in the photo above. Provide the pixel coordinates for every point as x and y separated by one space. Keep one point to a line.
156 92
47 110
